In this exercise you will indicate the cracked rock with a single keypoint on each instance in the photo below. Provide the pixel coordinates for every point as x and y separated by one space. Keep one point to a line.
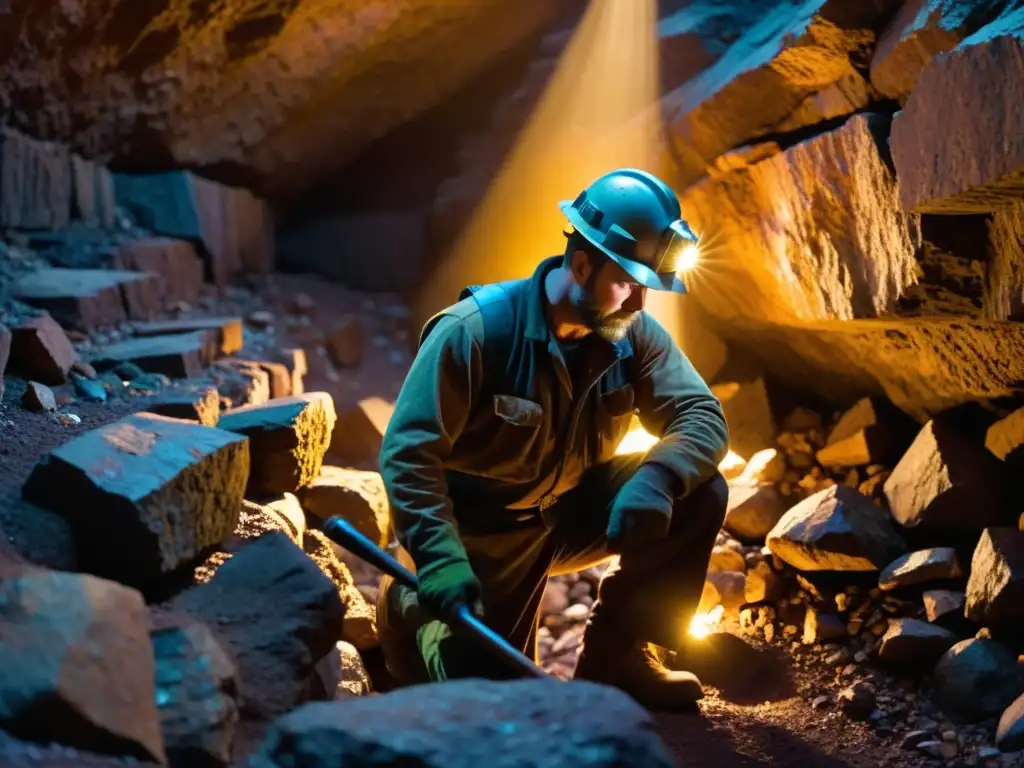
995 589
912 643
78 668
945 482
341 674
288 438
355 495
179 356
977 679
195 693
527 722
836 529
40 350
145 494
936 564
360 616
277 614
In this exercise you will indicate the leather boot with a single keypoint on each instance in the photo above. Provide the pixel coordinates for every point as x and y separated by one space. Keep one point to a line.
633 667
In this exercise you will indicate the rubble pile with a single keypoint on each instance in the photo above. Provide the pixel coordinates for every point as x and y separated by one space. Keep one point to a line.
888 554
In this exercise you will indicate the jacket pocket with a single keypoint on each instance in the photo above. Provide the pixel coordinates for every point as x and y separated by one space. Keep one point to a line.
505 442
618 402
518 411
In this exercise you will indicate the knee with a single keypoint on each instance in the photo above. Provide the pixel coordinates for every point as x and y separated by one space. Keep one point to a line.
706 505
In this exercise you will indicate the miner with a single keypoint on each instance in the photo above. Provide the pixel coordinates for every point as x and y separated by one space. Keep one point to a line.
500 459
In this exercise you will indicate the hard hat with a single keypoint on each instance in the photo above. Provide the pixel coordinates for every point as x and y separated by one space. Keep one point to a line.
634 218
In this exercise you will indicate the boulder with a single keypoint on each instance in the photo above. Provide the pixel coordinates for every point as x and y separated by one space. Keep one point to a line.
360 617
512 719
977 679
78 668
936 564
38 397
957 144
945 482
254 520
289 509
871 432
763 585
940 604
144 494
836 529
175 260
814 233
822 627
288 438
180 356
359 433
241 382
726 559
356 495
995 589
345 342
294 359
279 379
748 412
724 588
195 688
920 31
40 350
341 674
89 299
277 614
35 182
753 511
201 405
914 644
225 332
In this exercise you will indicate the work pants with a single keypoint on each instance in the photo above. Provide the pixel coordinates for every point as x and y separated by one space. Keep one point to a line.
650 595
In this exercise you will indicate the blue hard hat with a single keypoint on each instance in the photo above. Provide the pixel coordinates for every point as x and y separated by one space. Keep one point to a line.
633 217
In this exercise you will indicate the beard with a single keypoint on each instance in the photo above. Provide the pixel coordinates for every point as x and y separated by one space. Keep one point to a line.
610 326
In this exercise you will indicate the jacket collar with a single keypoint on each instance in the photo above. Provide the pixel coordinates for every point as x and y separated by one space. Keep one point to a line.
537 327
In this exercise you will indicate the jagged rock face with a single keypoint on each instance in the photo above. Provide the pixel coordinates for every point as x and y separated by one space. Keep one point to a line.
285 90
813 233
791 67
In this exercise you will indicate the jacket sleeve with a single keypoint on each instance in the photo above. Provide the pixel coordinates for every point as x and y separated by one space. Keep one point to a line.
430 412
676 405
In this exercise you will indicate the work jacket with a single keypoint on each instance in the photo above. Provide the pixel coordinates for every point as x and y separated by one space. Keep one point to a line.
489 427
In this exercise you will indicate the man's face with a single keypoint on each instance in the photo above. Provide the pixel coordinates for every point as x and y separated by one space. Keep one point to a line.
606 297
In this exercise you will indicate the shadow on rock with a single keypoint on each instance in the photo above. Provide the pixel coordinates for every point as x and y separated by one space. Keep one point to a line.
742 673
694 740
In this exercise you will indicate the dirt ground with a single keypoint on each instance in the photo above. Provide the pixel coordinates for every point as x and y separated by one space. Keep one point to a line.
756 713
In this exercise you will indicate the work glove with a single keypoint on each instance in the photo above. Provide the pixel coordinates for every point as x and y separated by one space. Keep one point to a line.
444 588
642 509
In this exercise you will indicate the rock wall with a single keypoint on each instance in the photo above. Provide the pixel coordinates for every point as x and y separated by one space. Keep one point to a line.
282 93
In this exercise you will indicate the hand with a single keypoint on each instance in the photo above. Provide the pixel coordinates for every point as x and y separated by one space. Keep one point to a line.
444 589
642 510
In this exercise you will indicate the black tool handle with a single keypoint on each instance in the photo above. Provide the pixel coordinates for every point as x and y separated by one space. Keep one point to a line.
344 534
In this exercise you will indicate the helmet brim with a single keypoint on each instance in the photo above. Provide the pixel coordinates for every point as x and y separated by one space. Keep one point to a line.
647 277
